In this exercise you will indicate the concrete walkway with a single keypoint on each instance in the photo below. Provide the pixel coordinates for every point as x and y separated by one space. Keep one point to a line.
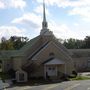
67 85
86 74
7 84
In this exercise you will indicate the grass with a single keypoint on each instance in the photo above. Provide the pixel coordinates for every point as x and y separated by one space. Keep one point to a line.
80 78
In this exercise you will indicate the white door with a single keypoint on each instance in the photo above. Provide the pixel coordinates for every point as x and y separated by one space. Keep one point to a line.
51 70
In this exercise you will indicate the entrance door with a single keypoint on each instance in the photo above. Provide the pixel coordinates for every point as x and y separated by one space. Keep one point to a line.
51 70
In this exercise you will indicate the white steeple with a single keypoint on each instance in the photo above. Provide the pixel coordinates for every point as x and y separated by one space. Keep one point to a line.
44 30
44 23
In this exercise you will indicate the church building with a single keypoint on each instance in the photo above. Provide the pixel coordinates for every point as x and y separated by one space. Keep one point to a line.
43 56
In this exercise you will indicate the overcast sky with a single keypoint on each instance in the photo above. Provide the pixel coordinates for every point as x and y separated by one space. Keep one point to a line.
66 18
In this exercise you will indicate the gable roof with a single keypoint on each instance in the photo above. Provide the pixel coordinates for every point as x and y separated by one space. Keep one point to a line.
80 52
6 54
50 42
35 52
53 61
30 43
28 46
55 40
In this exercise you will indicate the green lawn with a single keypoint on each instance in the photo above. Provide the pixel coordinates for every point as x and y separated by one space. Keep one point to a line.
80 78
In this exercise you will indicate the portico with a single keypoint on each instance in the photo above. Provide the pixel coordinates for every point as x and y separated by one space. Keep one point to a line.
54 67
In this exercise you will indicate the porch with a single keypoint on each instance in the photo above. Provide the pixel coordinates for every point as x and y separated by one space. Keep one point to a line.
54 69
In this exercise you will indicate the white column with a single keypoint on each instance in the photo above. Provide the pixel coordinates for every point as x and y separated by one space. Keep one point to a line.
65 68
56 70
45 71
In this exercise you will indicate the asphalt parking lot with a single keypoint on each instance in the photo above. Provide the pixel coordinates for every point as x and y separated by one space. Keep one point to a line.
67 85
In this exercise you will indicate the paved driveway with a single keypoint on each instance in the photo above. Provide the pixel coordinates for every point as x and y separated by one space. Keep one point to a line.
69 85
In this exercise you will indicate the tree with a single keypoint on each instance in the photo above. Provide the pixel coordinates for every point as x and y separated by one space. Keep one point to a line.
73 43
18 42
3 45
13 42
87 42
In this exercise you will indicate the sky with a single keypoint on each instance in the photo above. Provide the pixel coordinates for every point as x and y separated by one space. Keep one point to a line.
66 18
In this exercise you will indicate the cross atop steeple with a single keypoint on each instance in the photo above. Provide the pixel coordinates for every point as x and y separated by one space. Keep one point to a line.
44 23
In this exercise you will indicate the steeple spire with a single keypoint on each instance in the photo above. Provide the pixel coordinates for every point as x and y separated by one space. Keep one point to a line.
44 23
44 13
45 31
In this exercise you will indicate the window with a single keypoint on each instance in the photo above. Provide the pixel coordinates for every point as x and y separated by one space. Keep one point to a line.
51 54
21 76
88 63
51 68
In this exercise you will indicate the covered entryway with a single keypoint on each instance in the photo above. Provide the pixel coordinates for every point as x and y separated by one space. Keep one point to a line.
53 66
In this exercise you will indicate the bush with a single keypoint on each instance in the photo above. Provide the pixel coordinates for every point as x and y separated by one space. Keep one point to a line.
74 73
4 76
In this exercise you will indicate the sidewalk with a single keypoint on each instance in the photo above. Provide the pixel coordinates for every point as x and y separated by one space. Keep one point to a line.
86 74
19 88
7 83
